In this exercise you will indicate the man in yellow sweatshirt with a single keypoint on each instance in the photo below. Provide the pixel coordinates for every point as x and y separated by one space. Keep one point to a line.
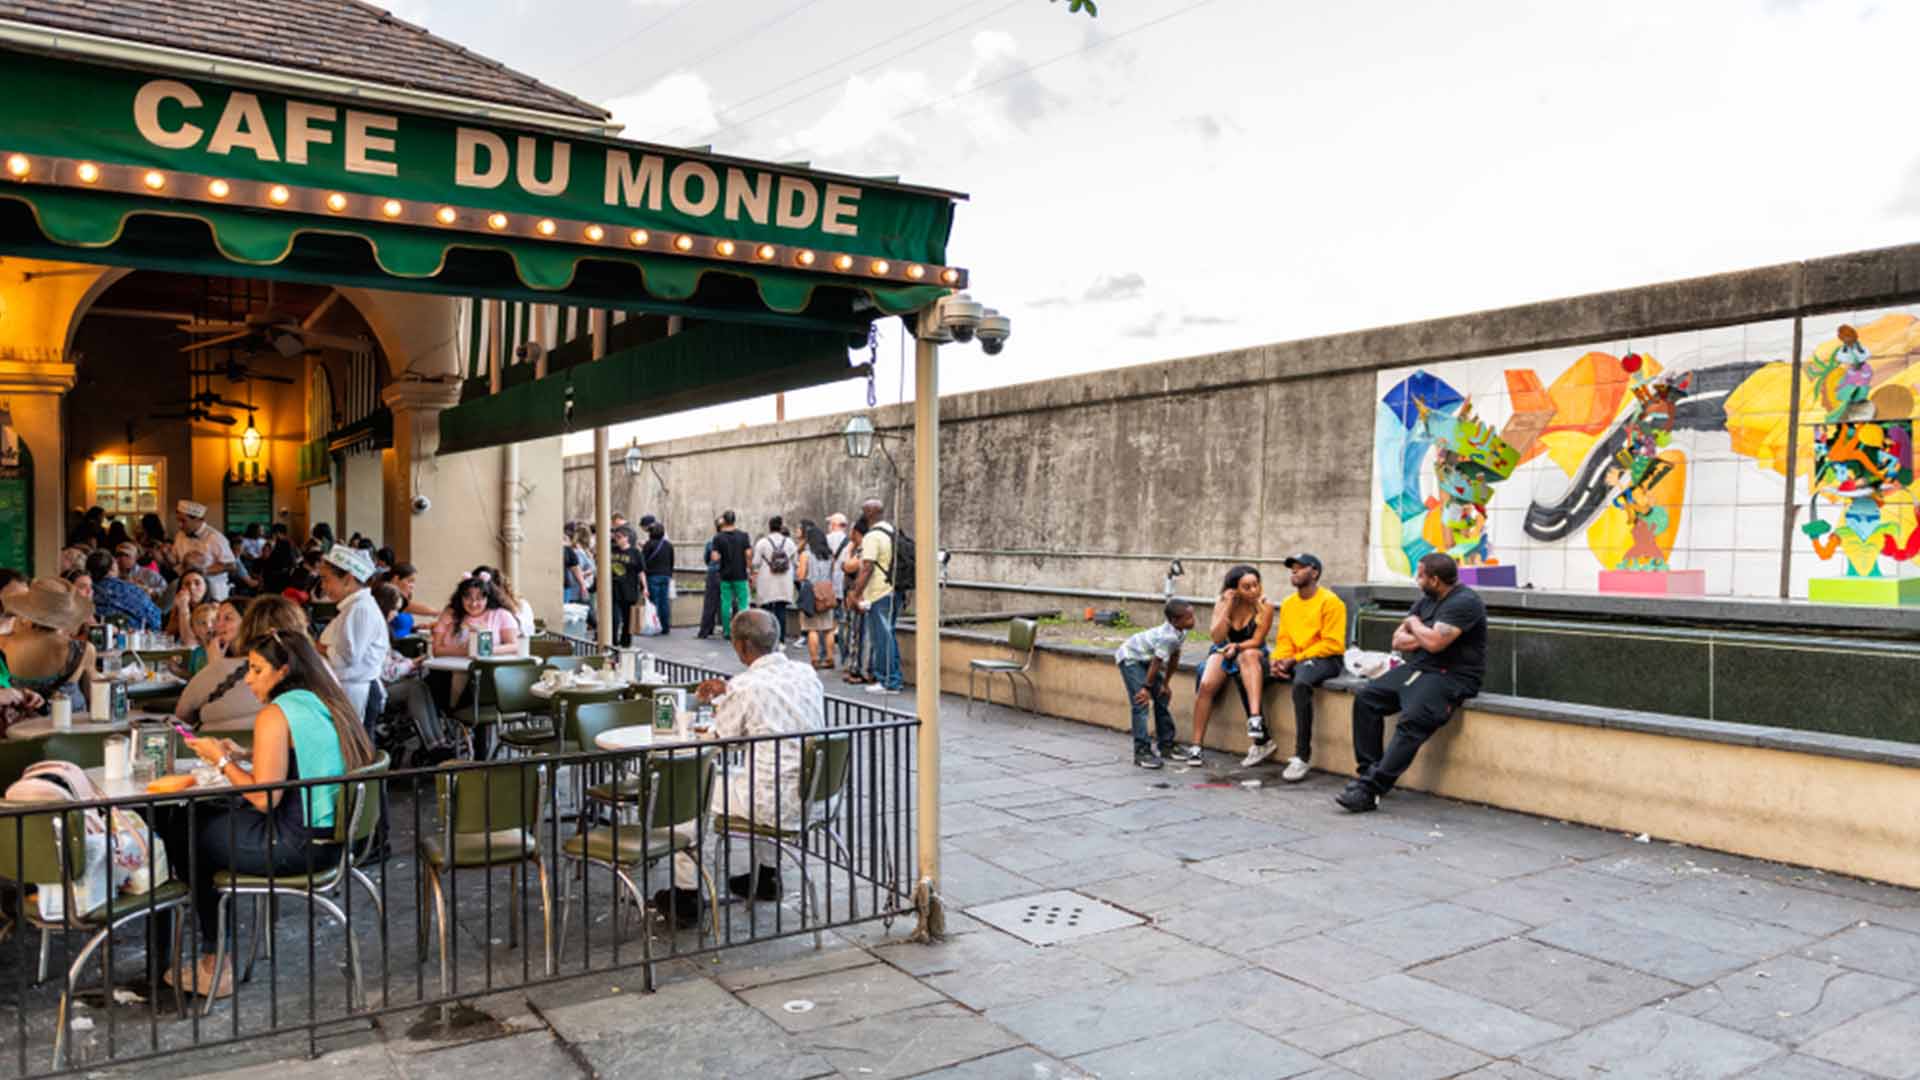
1310 646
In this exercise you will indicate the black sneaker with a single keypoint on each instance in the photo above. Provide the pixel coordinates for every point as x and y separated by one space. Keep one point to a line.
1147 759
1357 798
746 888
680 907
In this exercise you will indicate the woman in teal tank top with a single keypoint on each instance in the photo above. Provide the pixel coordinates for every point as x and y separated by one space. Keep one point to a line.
306 731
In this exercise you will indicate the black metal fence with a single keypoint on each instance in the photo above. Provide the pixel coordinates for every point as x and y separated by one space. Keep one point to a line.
434 886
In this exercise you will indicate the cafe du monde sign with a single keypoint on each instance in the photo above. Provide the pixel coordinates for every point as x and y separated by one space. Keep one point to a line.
90 113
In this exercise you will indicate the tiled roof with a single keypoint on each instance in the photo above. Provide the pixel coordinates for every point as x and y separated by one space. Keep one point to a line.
343 38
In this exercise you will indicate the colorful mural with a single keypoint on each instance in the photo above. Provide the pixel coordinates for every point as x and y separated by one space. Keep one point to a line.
1581 468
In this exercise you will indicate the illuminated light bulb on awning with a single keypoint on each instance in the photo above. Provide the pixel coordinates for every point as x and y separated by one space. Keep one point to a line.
446 215
843 262
88 172
336 202
639 237
725 247
546 227
880 267
950 276
764 252
278 194
595 233
155 179
804 258
683 243
496 220
219 189
18 165
916 271
391 208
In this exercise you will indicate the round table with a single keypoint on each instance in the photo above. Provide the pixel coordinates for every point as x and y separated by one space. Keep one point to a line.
465 663
82 725
151 688
632 737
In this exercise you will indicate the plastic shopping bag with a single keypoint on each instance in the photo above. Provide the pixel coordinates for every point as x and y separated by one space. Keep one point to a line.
649 620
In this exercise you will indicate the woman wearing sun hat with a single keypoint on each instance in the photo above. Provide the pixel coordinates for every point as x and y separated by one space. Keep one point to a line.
40 653
355 642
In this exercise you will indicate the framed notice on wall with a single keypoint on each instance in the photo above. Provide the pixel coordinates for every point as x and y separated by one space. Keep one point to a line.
248 500
16 512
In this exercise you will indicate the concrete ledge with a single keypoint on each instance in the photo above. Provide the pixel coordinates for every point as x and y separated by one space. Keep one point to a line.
1838 803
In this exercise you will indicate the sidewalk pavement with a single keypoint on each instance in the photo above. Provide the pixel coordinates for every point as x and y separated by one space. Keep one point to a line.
1274 936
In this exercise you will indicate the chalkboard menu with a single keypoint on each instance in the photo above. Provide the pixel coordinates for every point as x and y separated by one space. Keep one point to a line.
248 502
16 513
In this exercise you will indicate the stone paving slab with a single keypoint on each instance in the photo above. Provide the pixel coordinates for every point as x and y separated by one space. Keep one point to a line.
1283 939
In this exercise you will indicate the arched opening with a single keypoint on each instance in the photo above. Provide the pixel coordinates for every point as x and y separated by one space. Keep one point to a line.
199 387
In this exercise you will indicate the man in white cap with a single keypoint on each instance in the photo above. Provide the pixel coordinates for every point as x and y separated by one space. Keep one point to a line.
199 547
355 642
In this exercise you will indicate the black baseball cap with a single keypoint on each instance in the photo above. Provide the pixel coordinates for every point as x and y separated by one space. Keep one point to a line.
1302 558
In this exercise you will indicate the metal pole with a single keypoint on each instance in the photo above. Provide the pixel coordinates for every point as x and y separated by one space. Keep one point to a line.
926 634
602 511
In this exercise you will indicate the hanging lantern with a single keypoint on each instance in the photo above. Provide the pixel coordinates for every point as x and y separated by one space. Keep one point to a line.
250 440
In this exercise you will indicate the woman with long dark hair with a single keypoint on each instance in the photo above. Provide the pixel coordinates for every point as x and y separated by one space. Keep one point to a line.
1242 622
815 568
307 730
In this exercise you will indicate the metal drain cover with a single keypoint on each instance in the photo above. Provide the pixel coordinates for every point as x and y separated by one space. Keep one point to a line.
1052 917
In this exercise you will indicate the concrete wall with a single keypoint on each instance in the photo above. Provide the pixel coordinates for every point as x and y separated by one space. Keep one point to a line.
1096 480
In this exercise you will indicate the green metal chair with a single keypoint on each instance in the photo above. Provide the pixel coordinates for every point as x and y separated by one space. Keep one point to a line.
412 648
484 674
566 662
517 712
590 720
35 851
489 819
825 764
675 788
356 816
1020 638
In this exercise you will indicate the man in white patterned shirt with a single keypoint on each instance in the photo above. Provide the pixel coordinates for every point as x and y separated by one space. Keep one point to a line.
774 696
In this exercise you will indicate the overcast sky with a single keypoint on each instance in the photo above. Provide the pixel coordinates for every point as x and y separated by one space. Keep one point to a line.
1180 177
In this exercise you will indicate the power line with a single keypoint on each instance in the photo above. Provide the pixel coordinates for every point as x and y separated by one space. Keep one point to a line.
768 93
630 38
890 58
1031 68
732 42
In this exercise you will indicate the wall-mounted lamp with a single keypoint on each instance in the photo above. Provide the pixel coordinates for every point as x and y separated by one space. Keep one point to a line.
634 461
859 435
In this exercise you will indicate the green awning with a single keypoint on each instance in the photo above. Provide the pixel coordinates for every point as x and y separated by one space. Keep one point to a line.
707 365
188 174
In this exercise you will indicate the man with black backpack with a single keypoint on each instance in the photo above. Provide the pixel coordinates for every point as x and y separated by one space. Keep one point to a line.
886 573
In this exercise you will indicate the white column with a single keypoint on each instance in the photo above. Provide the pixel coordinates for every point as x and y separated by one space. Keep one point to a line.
926 634
602 511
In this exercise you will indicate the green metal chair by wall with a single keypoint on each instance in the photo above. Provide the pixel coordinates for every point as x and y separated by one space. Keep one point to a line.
1021 635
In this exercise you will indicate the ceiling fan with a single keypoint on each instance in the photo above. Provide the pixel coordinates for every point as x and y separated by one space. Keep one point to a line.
197 413
267 330
236 370
209 398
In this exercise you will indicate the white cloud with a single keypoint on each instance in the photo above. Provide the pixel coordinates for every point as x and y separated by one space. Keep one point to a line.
677 108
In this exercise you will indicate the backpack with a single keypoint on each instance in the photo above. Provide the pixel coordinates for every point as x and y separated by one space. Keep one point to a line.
778 561
901 575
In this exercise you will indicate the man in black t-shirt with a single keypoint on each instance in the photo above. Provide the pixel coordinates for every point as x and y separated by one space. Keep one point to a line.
730 548
1444 639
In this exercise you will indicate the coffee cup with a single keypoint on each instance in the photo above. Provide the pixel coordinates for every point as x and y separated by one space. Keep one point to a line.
62 707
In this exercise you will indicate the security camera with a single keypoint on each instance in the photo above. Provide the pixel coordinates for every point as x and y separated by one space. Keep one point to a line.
530 352
960 314
994 330
422 504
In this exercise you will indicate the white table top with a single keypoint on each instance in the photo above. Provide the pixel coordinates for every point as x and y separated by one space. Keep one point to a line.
155 687
82 725
465 663
546 693
125 787
638 736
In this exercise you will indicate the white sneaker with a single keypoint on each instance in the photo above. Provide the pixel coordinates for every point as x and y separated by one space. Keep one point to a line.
878 688
1258 753
1296 771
